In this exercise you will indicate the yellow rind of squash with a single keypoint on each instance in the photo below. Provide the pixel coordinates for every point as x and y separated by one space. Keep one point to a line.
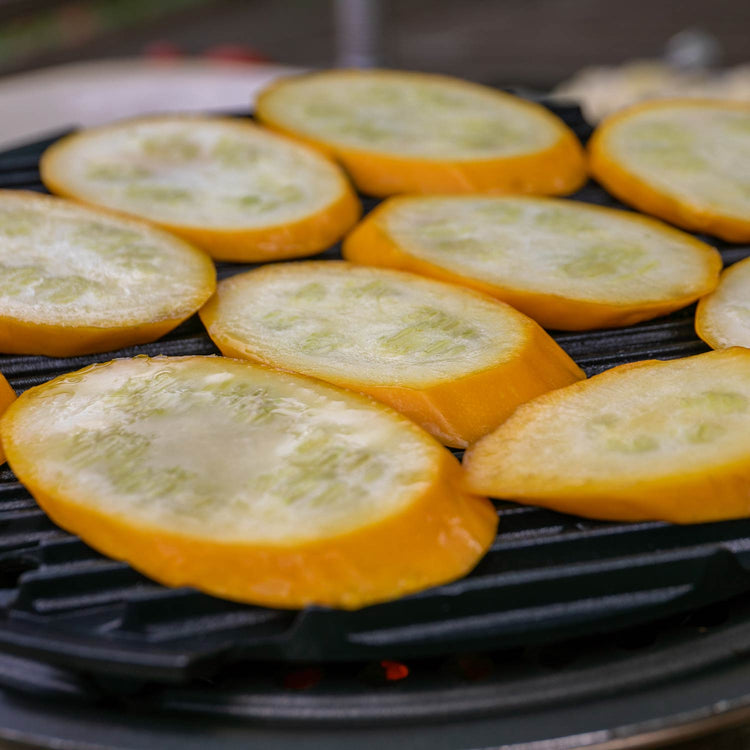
711 311
559 169
308 235
370 244
457 411
7 397
615 176
435 538
19 336
691 495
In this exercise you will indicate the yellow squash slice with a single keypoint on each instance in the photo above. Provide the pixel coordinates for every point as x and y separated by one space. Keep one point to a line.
453 360
7 397
569 265
75 280
686 161
652 440
247 483
238 191
723 317
398 132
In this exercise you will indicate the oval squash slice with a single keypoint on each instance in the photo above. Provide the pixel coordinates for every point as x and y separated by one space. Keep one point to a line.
75 280
399 132
569 265
7 397
247 483
455 361
723 317
240 192
652 440
686 161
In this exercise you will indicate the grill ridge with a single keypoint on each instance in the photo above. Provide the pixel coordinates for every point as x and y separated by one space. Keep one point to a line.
546 577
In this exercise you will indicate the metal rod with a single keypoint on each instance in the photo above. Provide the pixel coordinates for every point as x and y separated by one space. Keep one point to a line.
358 27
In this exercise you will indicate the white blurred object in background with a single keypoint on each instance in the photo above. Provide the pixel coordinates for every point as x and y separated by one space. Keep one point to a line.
687 69
91 93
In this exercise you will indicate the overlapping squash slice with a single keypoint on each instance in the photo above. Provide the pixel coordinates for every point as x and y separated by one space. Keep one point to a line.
7 397
75 280
238 191
569 265
455 361
723 317
686 161
398 132
247 483
651 440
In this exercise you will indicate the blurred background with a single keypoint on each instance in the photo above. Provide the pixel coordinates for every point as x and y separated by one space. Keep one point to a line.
123 57
532 42
68 63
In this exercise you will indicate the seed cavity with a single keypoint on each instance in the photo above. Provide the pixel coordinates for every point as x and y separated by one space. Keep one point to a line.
279 320
502 213
637 444
15 280
65 289
482 134
431 333
560 220
661 135
105 237
716 402
739 124
705 432
116 172
175 147
377 290
274 196
234 153
312 292
159 193
321 472
615 259
684 419
250 201
37 282
17 222
320 342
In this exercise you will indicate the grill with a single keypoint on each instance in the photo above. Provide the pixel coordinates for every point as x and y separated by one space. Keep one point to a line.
560 612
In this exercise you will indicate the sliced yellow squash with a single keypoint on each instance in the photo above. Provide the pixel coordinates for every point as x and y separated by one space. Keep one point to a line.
247 483
238 191
569 265
7 397
453 360
651 440
75 280
398 132
686 161
723 317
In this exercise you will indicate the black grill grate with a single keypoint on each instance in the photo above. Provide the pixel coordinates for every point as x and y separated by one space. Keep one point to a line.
547 576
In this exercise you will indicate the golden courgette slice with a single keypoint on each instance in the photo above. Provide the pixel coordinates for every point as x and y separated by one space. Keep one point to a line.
723 317
453 360
247 483
398 132
75 280
569 265
7 397
238 191
652 440
686 161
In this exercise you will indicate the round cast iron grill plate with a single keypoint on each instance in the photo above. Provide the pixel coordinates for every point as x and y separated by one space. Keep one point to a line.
546 577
